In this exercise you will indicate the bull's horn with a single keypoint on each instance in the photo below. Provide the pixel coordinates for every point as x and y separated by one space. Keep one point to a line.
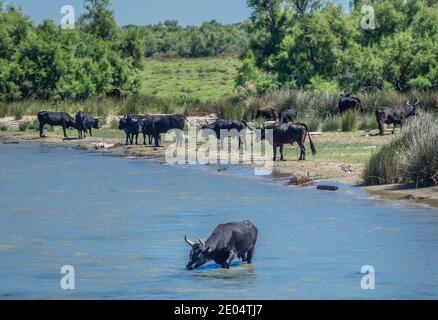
201 242
189 242
416 103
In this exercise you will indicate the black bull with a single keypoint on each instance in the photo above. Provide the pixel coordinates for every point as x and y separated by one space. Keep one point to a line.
349 102
228 126
61 119
227 242
286 133
396 115
85 122
157 125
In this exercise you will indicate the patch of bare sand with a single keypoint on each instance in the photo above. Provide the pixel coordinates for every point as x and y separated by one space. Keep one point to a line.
428 196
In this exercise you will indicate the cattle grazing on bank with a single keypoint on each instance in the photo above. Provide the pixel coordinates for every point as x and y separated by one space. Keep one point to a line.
349 102
268 113
132 127
85 122
228 125
289 115
157 125
286 133
227 242
396 115
61 119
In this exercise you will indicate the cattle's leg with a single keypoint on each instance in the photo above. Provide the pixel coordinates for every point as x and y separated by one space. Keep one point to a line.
275 153
127 138
144 139
393 129
249 255
42 136
131 139
281 152
150 140
64 129
302 151
230 258
136 139
91 134
157 140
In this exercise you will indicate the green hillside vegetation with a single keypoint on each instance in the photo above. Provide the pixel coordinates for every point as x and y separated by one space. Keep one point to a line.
187 79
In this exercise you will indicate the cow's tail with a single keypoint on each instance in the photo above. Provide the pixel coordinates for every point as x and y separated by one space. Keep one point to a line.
312 145
247 125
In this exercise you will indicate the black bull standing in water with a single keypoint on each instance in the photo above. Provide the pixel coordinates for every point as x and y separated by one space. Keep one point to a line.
286 133
62 119
227 242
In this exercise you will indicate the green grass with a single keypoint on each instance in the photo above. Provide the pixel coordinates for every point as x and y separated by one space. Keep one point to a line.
201 79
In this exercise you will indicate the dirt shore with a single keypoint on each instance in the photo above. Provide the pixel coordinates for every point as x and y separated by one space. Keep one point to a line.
312 169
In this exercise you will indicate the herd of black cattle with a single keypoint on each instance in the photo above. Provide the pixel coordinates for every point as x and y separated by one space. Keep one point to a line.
235 239
285 129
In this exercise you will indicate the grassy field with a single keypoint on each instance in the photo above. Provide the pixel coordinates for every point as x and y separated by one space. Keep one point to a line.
203 78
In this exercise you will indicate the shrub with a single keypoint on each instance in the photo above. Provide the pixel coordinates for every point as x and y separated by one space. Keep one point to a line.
384 166
3 128
420 162
23 126
313 124
412 157
368 123
331 124
349 121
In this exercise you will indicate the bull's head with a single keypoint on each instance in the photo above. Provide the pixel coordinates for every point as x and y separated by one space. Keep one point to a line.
414 106
123 123
199 254
96 123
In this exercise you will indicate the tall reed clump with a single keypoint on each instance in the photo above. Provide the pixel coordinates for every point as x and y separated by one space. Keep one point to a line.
330 124
411 157
349 121
384 166
420 162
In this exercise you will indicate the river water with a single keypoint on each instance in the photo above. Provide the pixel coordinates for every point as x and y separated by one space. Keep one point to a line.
121 223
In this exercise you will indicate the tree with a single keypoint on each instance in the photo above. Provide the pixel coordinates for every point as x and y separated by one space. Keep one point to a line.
98 19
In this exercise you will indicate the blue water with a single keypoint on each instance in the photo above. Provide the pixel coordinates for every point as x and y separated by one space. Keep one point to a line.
121 223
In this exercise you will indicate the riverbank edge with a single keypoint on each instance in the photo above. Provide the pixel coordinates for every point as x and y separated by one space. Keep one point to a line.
422 196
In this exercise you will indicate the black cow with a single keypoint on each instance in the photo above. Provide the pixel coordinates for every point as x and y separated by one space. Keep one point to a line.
289 115
396 115
62 119
85 122
227 242
349 102
286 133
156 125
228 125
268 113
132 126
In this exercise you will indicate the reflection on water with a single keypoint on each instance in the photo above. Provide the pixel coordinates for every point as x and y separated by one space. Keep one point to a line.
121 224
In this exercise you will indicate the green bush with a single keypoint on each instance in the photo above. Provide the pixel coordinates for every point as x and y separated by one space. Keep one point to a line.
349 121
411 157
384 166
368 122
4 128
331 124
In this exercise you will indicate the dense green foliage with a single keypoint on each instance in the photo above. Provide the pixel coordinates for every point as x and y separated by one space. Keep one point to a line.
210 39
45 61
314 45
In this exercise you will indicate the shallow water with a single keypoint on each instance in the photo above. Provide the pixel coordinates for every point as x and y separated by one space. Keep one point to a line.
121 224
